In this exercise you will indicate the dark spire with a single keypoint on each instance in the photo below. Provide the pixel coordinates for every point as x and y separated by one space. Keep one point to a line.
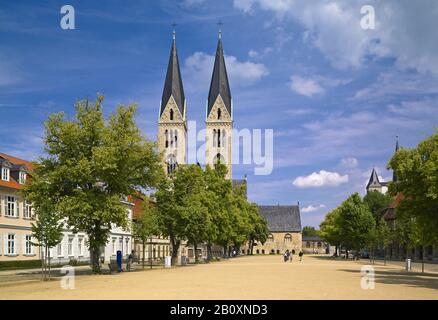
173 85
394 175
374 180
219 80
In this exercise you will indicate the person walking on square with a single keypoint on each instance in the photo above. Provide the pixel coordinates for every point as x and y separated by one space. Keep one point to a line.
301 255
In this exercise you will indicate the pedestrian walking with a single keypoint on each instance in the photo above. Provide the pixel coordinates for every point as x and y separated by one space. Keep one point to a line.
301 255
285 256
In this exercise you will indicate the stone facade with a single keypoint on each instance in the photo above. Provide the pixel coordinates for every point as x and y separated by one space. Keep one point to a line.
172 134
219 131
278 243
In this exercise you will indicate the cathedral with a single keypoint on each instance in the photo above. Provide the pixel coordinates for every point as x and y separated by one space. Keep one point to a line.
172 122
284 222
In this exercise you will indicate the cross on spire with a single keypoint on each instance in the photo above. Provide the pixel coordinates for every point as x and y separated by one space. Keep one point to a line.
174 32
220 24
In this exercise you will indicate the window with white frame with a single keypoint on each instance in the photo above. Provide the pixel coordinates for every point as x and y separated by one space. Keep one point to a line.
59 250
70 246
28 244
11 244
27 210
113 246
127 245
10 206
22 177
80 246
5 174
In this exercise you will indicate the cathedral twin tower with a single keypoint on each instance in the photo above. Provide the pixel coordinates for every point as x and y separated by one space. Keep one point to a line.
172 121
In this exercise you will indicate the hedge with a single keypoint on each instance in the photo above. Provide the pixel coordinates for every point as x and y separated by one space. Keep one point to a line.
20 264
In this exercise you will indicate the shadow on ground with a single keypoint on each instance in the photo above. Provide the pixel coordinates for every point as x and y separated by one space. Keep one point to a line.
412 279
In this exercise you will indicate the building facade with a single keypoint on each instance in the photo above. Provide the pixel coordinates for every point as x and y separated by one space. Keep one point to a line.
315 245
16 214
284 224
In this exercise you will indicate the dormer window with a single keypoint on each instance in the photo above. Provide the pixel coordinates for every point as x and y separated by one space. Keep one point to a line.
5 174
22 177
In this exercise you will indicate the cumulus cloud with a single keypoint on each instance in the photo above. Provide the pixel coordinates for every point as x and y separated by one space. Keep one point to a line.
199 67
314 85
349 162
312 208
320 179
404 30
306 87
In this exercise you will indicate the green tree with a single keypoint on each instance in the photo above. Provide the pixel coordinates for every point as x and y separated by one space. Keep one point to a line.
146 225
355 223
170 219
259 227
91 165
219 197
384 237
48 228
377 201
193 204
417 181
329 229
309 231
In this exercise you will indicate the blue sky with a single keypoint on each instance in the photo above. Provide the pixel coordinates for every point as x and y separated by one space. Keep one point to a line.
336 95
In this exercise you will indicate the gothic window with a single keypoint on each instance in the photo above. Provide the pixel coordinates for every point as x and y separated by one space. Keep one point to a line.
219 113
223 137
171 138
287 237
166 133
171 164
219 159
176 138
219 138
171 114
214 138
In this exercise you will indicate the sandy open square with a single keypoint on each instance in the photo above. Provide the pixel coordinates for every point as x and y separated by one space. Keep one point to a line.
257 277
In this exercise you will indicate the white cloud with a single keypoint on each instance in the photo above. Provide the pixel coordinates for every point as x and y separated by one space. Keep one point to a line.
349 162
306 87
314 85
190 3
312 208
320 179
199 67
404 30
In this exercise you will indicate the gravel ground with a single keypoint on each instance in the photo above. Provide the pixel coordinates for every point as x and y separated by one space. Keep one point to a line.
257 277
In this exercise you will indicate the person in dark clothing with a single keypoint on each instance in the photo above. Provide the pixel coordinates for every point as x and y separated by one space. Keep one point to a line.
301 255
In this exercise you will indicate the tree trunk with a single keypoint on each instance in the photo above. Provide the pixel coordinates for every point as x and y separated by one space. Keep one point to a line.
225 251
95 259
422 259
175 247
209 253
384 256
195 247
